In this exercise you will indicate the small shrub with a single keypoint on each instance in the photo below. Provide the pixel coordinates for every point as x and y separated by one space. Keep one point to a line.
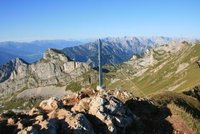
74 87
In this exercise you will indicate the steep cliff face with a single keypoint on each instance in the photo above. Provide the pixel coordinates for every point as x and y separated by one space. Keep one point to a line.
7 69
53 69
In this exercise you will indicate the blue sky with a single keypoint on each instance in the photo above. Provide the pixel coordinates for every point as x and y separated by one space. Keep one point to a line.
25 20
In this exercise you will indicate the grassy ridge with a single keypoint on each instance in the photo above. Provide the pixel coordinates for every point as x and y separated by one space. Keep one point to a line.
190 104
172 72
187 117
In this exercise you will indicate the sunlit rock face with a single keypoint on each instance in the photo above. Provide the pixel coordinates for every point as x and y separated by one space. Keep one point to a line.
54 68
90 113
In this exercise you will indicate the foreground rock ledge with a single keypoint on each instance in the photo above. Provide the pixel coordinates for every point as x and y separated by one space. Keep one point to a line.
83 113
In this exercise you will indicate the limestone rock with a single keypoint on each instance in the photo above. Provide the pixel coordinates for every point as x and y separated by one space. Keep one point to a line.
52 114
29 130
34 111
82 105
51 104
122 95
20 126
11 121
43 124
62 114
79 124
91 113
39 118
53 69
110 113
12 68
70 100
54 54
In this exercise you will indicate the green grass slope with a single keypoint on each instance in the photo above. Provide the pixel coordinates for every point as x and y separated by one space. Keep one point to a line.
173 71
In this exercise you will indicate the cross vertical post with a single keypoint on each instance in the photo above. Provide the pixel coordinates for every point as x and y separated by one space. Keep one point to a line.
100 64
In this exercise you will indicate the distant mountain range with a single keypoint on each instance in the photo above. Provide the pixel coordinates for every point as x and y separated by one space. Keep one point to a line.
117 50
30 51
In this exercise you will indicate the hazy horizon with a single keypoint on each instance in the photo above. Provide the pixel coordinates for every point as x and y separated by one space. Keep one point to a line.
93 39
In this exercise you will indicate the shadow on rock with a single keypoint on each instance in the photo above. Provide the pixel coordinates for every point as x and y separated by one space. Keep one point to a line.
104 70
5 129
97 124
152 119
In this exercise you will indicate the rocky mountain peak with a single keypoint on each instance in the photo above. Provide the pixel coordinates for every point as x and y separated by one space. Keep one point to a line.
55 68
55 55
8 68
18 62
90 113
93 112
15 63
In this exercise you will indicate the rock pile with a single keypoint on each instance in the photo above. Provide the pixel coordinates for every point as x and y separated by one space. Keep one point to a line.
83 113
